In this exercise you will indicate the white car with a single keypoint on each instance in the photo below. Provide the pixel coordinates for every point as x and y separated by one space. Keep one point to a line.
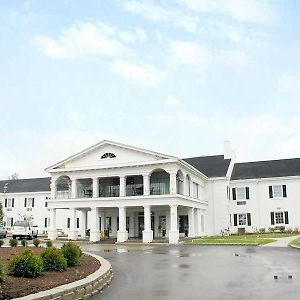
3 232
23 229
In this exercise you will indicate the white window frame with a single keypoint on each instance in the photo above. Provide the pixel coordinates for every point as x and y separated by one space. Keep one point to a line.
9 202
282 216
281 190
244 191
242 217
9 222
29 201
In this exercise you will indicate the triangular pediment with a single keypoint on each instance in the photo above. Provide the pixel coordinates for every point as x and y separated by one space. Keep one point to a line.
107 153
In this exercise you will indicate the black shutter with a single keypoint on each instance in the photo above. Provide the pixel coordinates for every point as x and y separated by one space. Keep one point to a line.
270 192
233 194
25 202
5 205
77 222
46 222
235 220
286 217
272 218
32 202
68 223
284 191
247 193
13 202
12 222
249 219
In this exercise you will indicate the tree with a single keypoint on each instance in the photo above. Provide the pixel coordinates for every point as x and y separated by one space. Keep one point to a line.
14 176
1 214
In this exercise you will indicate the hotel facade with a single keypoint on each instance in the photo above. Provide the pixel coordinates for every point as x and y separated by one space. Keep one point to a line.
120 191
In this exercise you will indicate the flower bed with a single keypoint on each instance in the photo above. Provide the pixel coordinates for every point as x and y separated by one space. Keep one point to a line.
14 287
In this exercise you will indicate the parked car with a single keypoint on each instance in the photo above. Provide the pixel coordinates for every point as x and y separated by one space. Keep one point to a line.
23 229
3 232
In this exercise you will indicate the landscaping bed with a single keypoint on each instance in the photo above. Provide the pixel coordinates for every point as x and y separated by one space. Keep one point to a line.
14 287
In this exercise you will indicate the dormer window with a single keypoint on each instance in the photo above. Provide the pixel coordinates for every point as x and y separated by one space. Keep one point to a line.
108 155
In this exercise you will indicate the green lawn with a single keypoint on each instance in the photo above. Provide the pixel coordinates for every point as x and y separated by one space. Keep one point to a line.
272 235
295 242
234 239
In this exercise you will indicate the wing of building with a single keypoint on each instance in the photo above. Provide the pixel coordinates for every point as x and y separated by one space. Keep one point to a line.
120 191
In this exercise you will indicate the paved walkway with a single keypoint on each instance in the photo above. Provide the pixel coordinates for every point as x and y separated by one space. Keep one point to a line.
282 242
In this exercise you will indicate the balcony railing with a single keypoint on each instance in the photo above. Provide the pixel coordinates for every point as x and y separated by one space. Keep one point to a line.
63 195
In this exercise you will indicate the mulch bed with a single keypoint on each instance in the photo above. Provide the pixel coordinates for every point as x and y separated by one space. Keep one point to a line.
15 287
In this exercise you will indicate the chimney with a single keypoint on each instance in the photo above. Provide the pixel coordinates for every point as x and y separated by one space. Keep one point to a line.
228 151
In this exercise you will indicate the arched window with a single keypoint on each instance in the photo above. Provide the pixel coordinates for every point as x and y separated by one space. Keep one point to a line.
108 155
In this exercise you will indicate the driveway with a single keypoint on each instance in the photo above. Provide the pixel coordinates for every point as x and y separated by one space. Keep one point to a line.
200 272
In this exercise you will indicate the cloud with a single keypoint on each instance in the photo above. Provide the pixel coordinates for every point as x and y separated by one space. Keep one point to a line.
289 83
173 101
144 74
90 39
254 11
154 12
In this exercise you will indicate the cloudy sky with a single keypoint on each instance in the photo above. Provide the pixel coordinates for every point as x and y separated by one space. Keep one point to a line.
175 76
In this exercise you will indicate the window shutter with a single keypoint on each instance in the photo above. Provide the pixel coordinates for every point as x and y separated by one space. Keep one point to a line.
45 222
270 192
284 191
5 205
68 223
286 217
233 194
13 202
249 219
25 202
247 193
32 202
12 222
235 219
77 222
272 218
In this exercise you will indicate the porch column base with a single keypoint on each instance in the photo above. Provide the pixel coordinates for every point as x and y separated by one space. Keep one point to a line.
52 235
73 235
122 236
191 235
94 236
173 237
147 236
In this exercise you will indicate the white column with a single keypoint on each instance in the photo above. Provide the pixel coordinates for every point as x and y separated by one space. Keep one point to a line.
191 189
122 234
198 220
74 188
147 233
95 187
94 232
102 216
174 232
52 233
122 186
191 217
202 223
146 184
73 232
53 188
173 182
83 223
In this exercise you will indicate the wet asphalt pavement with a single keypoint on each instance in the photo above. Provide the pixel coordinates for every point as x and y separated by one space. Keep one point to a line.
200 272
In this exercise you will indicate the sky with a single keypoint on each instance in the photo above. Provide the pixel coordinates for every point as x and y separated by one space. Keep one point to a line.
173 76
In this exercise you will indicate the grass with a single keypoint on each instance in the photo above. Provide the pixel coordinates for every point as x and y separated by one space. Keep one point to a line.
232 240
295 242
273 235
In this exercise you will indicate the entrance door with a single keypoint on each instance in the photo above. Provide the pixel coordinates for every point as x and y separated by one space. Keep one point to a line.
142 225
162 229
183 225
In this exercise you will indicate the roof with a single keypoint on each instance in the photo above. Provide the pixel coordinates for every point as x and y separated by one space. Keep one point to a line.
26 185
211 166
266 169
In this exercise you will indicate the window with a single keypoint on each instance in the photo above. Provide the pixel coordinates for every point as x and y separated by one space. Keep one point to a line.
9 222
108 155
277 191
279 218
29 202
240 193
242 219
9 202
195 190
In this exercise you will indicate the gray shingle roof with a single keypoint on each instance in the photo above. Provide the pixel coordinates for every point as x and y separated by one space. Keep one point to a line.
266 169
26 185
211 166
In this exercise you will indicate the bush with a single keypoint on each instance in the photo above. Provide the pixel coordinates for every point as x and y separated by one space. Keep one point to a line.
2 274
13 243
24 243
49 244
53 260
262 230
72 253
36 242
280 228
271 229
26 265
1 243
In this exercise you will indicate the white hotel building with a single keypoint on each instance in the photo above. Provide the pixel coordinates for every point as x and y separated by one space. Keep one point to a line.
126 192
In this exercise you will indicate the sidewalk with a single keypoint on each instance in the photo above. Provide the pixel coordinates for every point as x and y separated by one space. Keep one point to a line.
282 242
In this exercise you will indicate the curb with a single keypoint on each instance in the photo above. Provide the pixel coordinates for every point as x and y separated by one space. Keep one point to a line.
80 289
216 244
293 246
